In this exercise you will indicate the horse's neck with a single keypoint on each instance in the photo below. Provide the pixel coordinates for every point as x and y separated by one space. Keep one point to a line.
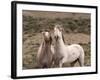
59 48
46 49
45 46
59 44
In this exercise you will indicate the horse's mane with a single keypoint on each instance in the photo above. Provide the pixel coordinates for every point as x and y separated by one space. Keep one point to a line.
63 37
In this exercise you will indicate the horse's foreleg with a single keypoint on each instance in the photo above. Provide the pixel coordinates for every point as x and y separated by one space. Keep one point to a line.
60 64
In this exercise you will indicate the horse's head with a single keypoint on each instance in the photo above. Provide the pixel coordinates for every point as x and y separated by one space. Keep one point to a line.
58 32
47 36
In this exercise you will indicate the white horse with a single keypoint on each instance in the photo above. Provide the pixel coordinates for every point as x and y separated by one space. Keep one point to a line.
45 52
66 53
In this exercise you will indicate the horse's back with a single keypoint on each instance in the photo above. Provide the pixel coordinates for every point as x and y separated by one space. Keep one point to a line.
75 47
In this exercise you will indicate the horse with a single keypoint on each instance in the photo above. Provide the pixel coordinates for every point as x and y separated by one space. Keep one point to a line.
66 53
45 51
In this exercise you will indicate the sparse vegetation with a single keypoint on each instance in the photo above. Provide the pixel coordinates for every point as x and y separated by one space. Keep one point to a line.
70 25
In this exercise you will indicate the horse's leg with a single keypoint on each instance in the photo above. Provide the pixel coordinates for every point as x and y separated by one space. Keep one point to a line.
81 60
60 64
81 57
73 63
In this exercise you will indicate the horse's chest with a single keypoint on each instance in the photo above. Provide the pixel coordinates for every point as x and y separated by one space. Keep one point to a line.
59 53
61 48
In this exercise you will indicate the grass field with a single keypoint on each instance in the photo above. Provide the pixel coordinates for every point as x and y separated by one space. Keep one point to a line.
76 30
